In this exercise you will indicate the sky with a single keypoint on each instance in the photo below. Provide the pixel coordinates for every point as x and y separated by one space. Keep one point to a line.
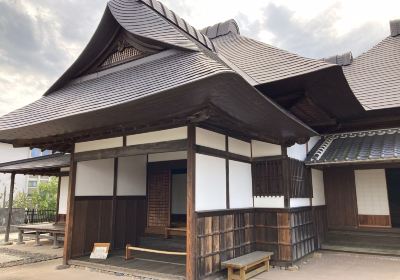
40 39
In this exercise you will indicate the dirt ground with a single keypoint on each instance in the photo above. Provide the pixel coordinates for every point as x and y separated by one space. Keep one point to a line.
340 266
323 266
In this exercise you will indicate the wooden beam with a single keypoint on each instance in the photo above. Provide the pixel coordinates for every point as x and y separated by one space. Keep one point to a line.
70 212
227 171
221 154
286 177
191 218
142 149
10 206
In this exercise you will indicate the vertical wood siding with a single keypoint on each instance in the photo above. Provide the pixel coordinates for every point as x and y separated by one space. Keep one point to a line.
93 222
223 236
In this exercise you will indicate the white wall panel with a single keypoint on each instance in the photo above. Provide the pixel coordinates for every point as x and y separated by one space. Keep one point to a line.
210 139
269 202
317 178
263 149
240 185
95 178
297 151
371 189
210 183
99 144
157 136
132 175
64 169
312 142
239 147
63 199
299 202
167 156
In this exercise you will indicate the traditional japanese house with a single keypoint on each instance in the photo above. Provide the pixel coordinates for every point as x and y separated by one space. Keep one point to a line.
196 133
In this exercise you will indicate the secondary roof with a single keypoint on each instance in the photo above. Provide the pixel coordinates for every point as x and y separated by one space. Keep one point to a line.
372 146
45 165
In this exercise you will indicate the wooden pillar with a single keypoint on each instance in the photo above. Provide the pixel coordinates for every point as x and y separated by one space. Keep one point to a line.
10 206
70 212
114 204
58 197
286 177
191 220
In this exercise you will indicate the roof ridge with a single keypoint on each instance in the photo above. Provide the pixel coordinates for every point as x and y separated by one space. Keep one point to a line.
222 28
179 22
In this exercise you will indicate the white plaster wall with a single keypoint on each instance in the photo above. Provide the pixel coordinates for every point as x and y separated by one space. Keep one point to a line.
99 144
63 200
9 153
210 139
178 194
132 172
312 142
210 183
269 202
64 169
157 136
297 151
317 178
299 202
167 156
95 178
239 147
240 185
263 149
371 189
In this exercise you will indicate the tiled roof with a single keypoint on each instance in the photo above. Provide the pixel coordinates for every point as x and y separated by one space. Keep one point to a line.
357 147
262 62
374 75
49 163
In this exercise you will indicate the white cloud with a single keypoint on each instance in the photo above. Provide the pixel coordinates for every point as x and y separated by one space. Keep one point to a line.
40 39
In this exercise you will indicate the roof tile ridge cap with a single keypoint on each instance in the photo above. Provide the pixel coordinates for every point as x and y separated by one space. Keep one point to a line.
323 148
149 3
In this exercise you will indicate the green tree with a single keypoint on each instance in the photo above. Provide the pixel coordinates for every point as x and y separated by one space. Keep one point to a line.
45 196
22 200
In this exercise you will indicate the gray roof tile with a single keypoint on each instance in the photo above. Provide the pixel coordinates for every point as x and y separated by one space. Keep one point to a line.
374 75
51 162
357 147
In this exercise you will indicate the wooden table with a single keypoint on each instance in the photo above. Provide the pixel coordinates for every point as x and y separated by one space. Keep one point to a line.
247 266
55 231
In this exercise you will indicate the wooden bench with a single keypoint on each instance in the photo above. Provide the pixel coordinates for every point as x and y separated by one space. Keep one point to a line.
180 230
247 266
129 249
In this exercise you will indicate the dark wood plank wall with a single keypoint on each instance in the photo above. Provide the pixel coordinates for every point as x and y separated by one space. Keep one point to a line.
222 236
340 196
93 222
320 224
374 221
289 233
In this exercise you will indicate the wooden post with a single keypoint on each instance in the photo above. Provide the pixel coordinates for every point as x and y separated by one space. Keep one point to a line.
58 197
70 212
286 177
191 234
10 206
114 204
